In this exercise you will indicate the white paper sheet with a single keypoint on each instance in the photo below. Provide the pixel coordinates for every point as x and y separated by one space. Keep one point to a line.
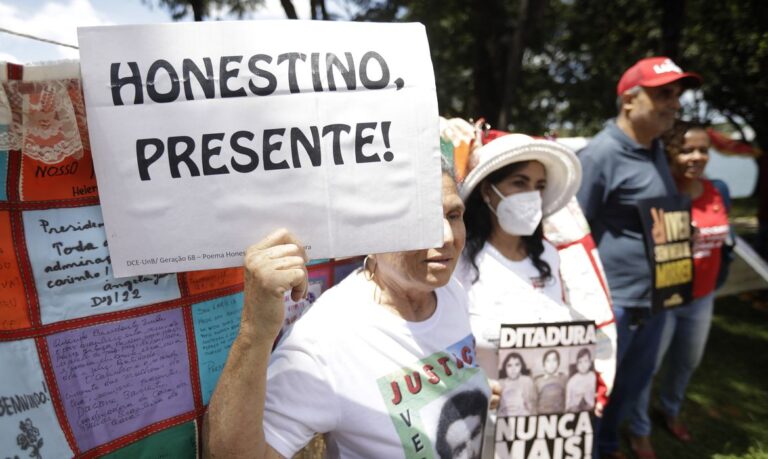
166 215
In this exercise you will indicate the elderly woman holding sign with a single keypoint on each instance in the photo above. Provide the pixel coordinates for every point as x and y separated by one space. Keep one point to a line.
374 365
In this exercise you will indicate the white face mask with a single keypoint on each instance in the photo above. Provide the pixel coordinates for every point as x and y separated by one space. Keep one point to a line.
519 214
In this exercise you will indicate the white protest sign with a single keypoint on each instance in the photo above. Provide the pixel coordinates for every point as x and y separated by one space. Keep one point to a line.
207 136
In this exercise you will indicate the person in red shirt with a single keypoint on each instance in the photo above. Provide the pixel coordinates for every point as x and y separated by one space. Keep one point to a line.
687 327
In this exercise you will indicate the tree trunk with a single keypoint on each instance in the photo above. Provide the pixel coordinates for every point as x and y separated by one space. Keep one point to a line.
316 5
488 56
513 69
672 21
198 9
290 11
528 17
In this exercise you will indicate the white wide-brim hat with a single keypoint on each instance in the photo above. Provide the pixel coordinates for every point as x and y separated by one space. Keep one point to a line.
562 167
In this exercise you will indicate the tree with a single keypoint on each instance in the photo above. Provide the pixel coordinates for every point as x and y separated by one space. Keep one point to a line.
201 9
290 11
480 51
595 42
317 10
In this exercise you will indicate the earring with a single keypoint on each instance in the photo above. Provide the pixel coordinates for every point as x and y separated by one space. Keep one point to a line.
369 275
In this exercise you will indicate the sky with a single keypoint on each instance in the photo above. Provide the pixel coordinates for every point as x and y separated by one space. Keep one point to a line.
58 20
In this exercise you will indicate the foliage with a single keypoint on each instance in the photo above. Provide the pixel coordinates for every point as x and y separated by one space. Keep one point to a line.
573 52
479 51
728 42
201 9
595 43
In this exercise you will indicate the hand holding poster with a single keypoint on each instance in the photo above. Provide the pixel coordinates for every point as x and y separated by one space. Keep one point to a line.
207 136
548 393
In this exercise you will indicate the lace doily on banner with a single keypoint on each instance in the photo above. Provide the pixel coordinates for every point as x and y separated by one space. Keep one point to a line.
47 119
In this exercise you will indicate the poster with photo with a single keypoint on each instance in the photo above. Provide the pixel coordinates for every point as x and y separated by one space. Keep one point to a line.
548 389
667 230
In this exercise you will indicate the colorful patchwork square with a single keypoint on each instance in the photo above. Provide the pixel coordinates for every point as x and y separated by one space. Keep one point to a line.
3 175
28 424
14 311
119 377
56 161
178 441
72 270
213 279
70 178
216 325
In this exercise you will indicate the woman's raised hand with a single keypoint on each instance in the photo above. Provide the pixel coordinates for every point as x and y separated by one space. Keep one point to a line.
274 266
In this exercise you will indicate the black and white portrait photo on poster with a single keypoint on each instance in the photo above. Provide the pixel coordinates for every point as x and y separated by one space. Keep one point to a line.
548 388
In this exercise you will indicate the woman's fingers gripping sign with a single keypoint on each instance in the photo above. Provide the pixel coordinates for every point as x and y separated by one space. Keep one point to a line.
274 266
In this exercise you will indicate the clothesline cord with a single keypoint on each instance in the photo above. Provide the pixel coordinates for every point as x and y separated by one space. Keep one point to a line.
53 42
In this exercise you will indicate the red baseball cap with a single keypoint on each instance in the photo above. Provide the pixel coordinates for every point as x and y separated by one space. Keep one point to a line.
656 71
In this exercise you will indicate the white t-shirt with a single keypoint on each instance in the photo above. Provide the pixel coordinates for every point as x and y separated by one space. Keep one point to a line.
490 257
377 384
508 292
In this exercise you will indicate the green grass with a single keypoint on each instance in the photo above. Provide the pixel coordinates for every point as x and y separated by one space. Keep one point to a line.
726 408
744 207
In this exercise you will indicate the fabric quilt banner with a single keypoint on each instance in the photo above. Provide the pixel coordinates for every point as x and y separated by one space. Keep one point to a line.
96 366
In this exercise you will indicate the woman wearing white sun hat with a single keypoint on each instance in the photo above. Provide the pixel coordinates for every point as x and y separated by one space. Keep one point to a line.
510 271
515 182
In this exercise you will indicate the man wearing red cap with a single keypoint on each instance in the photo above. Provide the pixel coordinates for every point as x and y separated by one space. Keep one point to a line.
623 165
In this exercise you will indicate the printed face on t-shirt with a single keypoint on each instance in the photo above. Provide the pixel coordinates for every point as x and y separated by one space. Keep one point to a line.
464 436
